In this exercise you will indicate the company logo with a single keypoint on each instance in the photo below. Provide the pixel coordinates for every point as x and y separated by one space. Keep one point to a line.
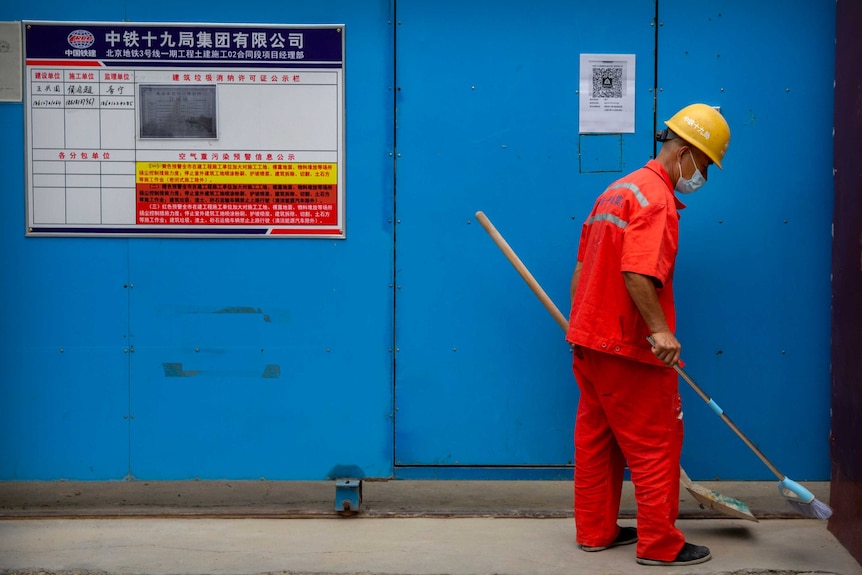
81 39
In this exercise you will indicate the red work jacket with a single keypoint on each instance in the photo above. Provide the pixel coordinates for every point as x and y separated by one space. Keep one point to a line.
634 227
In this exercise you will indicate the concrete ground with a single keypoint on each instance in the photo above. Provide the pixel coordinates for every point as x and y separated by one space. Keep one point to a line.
403 527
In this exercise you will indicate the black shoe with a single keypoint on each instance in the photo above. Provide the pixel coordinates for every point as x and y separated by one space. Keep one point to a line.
688 555
626 536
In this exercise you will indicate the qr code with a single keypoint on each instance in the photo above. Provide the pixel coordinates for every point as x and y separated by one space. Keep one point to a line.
608 82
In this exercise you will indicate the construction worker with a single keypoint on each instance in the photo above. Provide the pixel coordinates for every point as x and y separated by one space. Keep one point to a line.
622 291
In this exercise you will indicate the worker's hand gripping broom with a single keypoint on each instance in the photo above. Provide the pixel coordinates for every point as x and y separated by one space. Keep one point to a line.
802 500
706 497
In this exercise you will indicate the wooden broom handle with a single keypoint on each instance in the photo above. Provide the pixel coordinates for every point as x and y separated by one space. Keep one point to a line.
522 270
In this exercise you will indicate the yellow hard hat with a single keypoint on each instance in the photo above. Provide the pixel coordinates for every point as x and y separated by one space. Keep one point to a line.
703 127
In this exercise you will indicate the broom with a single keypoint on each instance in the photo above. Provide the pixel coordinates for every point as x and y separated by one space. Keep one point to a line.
799 498
707 498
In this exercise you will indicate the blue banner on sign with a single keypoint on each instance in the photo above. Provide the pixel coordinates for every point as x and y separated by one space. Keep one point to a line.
185 44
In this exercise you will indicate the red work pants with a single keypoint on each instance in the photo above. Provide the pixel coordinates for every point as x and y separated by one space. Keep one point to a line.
628 412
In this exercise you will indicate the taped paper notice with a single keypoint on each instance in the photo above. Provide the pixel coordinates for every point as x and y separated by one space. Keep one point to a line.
607 93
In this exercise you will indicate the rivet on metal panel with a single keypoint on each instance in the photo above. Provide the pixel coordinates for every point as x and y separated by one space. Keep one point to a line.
721 221
125 350
399 287
785 221
718 352
721 89
454 349
782 352
131 285
787 89
327 350
197 350
504 145
472 87
62 350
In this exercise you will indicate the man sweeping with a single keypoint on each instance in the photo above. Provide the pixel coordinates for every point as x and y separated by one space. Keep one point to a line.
622 291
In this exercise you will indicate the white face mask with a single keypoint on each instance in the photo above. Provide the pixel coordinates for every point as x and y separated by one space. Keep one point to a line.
687 186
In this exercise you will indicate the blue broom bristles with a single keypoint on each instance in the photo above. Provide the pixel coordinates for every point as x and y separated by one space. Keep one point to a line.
815 508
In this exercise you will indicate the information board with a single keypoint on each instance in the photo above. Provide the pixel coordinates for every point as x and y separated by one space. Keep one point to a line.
167 129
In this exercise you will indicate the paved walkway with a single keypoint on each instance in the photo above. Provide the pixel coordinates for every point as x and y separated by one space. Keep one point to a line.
390 536
415 546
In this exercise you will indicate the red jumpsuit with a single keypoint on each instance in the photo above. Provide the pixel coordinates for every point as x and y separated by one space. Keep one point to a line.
629 409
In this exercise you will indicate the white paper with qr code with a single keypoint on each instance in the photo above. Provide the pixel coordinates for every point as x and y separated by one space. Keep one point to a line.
607 94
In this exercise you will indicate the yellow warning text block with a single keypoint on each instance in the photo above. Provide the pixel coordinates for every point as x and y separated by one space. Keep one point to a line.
235 173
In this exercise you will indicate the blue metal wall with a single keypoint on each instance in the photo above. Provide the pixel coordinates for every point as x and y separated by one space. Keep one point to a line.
175 358
488 120
753 279
412 349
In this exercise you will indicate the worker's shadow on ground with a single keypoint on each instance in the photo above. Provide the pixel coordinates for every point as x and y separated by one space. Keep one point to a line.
732 532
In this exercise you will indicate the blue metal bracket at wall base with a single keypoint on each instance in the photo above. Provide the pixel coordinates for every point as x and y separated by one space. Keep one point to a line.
348 496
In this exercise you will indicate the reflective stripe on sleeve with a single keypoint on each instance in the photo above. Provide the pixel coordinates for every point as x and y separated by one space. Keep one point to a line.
608 218
635 190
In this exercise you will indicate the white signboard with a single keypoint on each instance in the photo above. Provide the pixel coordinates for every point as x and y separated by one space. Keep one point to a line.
184 129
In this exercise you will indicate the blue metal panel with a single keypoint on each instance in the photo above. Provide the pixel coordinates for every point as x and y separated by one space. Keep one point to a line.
247 365
487 120
247 358
64 373
64 366
64 414
258 358
753 275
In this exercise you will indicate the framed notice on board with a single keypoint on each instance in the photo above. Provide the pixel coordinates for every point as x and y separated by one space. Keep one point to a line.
198 130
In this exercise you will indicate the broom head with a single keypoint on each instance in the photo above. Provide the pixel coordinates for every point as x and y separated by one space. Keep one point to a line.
803 501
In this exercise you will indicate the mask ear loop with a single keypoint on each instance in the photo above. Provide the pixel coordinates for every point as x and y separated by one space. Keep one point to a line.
679 162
